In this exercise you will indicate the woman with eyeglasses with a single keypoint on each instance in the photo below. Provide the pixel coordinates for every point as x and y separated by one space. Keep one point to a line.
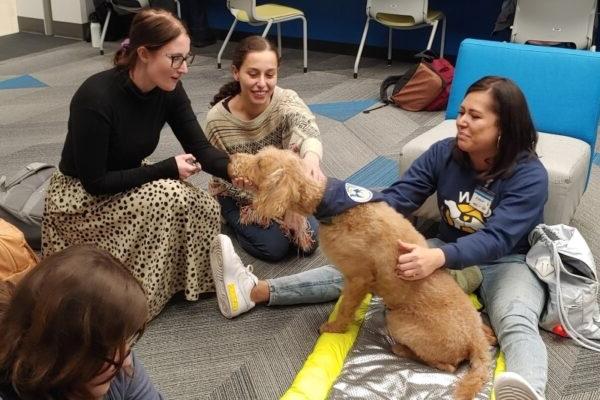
68 328
144 214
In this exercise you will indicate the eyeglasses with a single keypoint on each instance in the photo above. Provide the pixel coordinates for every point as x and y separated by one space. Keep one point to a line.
178 59
132 341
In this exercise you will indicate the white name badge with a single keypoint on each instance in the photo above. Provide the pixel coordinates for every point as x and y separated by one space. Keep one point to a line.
481 200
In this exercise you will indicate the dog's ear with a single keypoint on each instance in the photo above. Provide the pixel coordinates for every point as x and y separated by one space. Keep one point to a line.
273 196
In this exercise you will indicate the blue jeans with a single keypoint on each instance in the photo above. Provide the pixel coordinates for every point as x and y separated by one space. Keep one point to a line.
313 286
270 243
514 299
513 296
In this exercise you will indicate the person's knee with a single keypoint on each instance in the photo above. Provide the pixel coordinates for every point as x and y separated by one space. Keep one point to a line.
517 317
166 194
267 250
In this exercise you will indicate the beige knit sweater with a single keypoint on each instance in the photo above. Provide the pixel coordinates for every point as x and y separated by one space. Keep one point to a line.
287 123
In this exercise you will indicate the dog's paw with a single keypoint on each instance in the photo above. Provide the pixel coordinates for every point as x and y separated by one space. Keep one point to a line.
332 327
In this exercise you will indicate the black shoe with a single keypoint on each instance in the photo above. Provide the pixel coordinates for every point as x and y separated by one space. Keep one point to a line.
204 42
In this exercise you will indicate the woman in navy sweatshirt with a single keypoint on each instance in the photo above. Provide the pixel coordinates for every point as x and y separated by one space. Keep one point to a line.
491 190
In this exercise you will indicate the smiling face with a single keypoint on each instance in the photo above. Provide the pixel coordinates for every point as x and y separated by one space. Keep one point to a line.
158 63
477 125
257 77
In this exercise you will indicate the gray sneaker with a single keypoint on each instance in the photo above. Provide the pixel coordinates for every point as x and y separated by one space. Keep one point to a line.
233 280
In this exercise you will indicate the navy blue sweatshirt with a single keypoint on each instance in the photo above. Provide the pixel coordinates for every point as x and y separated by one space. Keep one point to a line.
473 237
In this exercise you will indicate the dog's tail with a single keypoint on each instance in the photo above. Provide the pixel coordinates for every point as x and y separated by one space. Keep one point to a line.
477 375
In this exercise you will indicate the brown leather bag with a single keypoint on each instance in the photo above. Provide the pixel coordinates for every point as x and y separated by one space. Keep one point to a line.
425 86
16 257
419 90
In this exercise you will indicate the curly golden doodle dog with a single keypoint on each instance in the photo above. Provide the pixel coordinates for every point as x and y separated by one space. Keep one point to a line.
431 319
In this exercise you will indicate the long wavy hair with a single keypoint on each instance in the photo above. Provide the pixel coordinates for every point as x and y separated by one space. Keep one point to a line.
64 319
151 28
517 132
247 45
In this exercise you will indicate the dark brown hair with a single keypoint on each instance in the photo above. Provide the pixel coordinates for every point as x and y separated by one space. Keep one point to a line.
518 136
247 45
151 28
60 323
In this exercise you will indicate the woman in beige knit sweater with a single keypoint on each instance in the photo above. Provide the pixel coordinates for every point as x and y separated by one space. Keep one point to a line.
252 112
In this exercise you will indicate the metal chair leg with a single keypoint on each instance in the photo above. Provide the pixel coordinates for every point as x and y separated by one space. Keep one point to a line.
389 59
279 38
430 43
443 37
360 47
178 8
104 28
225 43
305 43
266 31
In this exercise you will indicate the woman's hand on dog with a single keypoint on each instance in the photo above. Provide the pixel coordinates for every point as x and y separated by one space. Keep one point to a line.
416 262
313 168
244 184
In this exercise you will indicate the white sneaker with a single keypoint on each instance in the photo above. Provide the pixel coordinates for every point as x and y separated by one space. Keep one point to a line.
233 281
512 386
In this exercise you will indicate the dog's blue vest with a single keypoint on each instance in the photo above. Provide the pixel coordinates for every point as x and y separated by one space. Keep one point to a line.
340 196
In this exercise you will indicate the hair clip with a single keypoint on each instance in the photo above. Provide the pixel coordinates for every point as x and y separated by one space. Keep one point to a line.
125 44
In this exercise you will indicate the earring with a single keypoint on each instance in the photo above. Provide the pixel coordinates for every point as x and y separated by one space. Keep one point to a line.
498 142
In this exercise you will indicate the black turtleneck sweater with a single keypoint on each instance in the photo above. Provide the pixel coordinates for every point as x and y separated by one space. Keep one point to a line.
113 126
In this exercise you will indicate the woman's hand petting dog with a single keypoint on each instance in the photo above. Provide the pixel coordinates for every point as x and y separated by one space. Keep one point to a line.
244 184
417 262
312 166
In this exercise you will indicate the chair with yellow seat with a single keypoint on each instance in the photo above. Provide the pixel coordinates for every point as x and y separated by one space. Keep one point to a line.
269 14
405 15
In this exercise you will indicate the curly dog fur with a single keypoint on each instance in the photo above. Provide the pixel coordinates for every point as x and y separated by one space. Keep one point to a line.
431 319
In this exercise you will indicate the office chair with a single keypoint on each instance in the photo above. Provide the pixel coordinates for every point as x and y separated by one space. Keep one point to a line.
123 7
269 14
555 21
405 15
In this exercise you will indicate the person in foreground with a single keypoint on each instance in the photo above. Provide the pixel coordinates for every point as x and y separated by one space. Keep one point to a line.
68 329
491 189
248 114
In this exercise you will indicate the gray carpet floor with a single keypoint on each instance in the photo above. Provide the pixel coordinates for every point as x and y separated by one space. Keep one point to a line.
190 350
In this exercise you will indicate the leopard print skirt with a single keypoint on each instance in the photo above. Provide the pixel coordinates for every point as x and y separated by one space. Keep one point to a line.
161 231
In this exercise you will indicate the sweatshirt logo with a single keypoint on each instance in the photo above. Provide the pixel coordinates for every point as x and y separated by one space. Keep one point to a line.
462 215
358 194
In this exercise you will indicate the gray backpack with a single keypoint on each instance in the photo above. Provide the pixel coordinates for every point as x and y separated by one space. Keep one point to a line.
22 199
561 258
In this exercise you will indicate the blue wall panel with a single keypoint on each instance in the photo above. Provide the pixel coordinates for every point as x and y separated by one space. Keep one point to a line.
342 21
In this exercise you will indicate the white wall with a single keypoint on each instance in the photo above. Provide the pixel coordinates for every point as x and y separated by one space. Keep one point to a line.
74 11
30 9
8 17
